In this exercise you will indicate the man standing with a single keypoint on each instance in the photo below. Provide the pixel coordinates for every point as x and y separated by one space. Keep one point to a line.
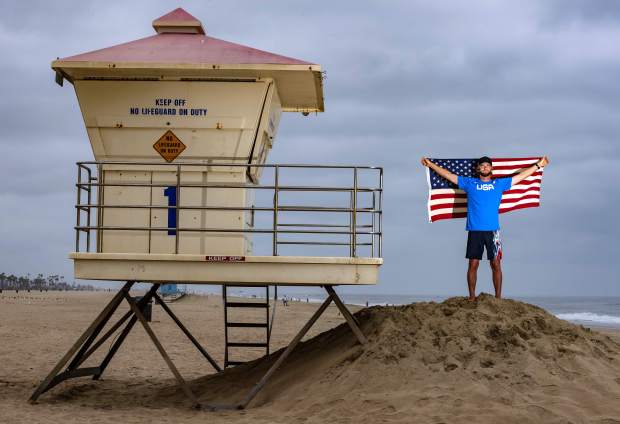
484 195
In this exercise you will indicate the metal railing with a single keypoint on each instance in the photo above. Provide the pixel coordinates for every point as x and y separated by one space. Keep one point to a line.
362 226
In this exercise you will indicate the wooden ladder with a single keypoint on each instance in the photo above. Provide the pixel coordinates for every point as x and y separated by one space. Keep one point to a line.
228 324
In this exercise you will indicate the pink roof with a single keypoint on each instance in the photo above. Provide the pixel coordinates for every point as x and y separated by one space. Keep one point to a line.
169 46
183 48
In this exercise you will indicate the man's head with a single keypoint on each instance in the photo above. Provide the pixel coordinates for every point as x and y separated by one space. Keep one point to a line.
484 166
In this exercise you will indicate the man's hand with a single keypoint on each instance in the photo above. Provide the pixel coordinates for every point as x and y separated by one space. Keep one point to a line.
544 161
441 171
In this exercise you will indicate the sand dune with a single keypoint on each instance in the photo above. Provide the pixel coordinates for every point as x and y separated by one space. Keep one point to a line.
487 362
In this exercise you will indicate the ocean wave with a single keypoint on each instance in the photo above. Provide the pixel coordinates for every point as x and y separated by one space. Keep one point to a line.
590 317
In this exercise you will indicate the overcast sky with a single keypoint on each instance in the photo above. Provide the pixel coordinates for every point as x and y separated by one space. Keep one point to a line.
404 79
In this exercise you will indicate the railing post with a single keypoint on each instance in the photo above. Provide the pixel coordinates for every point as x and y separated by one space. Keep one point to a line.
77 209
176 211
381 213
100 201
354 223
372 237
90 202
275 210
351 223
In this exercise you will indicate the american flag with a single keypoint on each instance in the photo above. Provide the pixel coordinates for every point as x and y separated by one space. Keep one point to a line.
446 201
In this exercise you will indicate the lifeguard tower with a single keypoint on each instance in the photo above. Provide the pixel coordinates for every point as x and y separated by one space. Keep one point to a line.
181 125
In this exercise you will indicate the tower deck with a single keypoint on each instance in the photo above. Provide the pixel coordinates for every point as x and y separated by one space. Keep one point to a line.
313 232
213 269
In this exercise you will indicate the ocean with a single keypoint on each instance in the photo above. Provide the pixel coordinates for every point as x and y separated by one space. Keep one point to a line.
598 311
587 310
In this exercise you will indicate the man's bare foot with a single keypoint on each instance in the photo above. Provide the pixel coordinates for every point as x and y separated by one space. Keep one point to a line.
472 298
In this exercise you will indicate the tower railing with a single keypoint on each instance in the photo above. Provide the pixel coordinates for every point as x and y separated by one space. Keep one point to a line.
331 206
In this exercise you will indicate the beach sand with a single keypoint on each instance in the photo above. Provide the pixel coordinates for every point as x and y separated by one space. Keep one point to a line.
488 362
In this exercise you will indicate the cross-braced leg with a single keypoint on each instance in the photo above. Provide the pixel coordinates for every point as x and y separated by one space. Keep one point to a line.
138 313
347 315
121 338
88 336
187 333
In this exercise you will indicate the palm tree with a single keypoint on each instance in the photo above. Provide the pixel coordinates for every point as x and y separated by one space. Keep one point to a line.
13 282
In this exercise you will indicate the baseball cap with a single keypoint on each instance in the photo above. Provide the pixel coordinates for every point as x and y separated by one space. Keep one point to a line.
484 159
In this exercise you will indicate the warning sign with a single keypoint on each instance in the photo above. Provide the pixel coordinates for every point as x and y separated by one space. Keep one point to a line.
169 146
225 258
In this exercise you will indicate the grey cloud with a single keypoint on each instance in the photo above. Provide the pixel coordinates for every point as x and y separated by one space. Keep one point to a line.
405 79
582 11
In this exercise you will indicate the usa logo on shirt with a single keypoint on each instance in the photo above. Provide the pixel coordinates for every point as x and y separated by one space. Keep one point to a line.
485 187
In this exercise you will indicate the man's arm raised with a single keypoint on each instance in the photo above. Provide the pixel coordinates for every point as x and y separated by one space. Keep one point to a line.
542 162
443 172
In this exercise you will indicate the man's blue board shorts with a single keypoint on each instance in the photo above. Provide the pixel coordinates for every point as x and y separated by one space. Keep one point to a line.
477 241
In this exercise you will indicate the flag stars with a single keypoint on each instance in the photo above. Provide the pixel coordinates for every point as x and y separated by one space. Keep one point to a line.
464 167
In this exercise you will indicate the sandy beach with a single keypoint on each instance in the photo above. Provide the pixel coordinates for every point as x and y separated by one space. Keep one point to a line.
432 363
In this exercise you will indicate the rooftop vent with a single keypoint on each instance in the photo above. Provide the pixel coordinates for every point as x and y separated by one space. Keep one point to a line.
179 22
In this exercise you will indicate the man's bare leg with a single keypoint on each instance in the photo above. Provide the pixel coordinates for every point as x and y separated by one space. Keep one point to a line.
496 268
472 276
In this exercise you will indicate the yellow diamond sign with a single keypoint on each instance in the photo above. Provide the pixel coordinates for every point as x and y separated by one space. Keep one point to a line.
169 146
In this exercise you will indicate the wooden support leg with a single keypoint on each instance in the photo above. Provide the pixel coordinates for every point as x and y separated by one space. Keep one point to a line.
85 352
105 315
187 333
121 338
347 315
138 313
246 400
106 336
79 358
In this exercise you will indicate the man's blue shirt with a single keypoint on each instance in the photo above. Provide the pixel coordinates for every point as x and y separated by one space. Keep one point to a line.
483 199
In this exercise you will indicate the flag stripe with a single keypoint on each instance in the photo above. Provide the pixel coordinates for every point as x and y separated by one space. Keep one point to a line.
523 189
504 174
442 204
524 195
448 216
511 202
449 196
528 160
510 167
450 210
519 207
525 185
462 201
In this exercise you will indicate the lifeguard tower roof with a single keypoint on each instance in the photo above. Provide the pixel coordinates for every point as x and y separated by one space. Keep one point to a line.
181 50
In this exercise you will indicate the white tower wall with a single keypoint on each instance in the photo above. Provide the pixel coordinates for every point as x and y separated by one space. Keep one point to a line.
217 122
